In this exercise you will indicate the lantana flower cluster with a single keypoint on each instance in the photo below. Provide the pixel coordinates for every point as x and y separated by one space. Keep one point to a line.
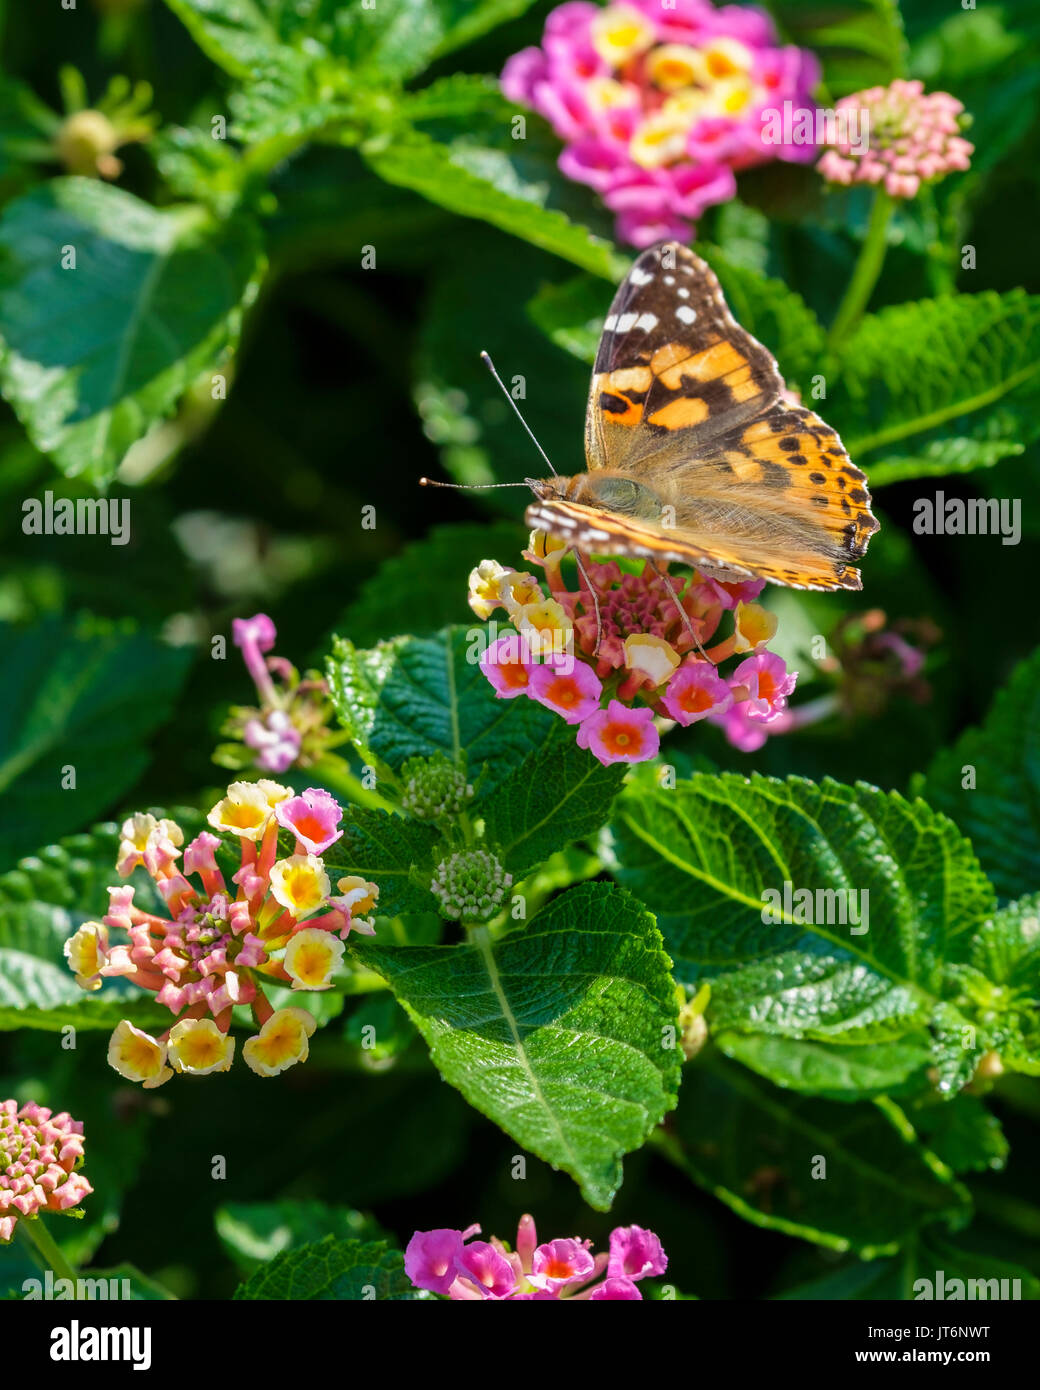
290 726
40 1154
452 1263
218 946
661 104
608 663
914 138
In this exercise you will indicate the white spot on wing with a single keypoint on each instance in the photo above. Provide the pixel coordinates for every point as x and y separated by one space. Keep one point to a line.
626 322
610 323
683 292
645 322
685 314
640 277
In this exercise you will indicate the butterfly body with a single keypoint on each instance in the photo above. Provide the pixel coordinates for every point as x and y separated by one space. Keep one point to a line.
693 454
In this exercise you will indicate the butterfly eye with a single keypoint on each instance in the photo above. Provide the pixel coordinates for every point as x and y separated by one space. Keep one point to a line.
623 495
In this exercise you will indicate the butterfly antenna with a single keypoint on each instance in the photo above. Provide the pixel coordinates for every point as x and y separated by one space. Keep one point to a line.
484 357
595 601
466 487
687 621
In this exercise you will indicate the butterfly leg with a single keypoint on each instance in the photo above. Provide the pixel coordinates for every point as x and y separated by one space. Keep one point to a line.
595 600
687 621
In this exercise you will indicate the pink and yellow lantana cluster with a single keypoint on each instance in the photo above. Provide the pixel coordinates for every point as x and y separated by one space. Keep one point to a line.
451 1263
591 668
660 103
218 946
39 1156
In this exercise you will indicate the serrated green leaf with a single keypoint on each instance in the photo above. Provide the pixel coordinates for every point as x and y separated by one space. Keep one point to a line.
85 696
1007 948
1000 813
386 849
454 145
255 1232
332 1269
399 597
94 355
558 794
760 1150
557 1031
414 697
949 381
723 859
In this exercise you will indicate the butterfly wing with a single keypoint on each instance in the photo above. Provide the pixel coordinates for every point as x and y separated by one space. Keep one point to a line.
776 498
673 367
687 403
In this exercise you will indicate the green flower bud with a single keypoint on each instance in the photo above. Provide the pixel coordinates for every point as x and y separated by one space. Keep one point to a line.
471 885
434 787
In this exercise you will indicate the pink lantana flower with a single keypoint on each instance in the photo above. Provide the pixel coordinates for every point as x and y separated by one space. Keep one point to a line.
620 735
566 686
507 667
312 817
290 725
696 691
768 683
450 1263
659 107
217 945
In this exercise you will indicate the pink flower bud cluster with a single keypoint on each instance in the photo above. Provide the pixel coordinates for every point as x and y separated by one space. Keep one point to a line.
453 1264
914 138
39 1156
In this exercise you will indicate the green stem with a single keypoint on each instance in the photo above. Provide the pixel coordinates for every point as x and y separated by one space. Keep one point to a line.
44 1249
866 271
335 772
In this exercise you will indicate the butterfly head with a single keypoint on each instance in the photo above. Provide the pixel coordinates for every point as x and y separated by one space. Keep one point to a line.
607 492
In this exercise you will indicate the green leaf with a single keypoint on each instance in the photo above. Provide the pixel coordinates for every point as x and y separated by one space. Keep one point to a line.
558 794
386 849
454 145
860 43
759 1151
238 35
572 315
735 869
413 697
1007 948
85 696
42 902
398 40
556 1031
94 356
940 385
254 1232
400 596
962 1132
1000 811
837 1071
332 1268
